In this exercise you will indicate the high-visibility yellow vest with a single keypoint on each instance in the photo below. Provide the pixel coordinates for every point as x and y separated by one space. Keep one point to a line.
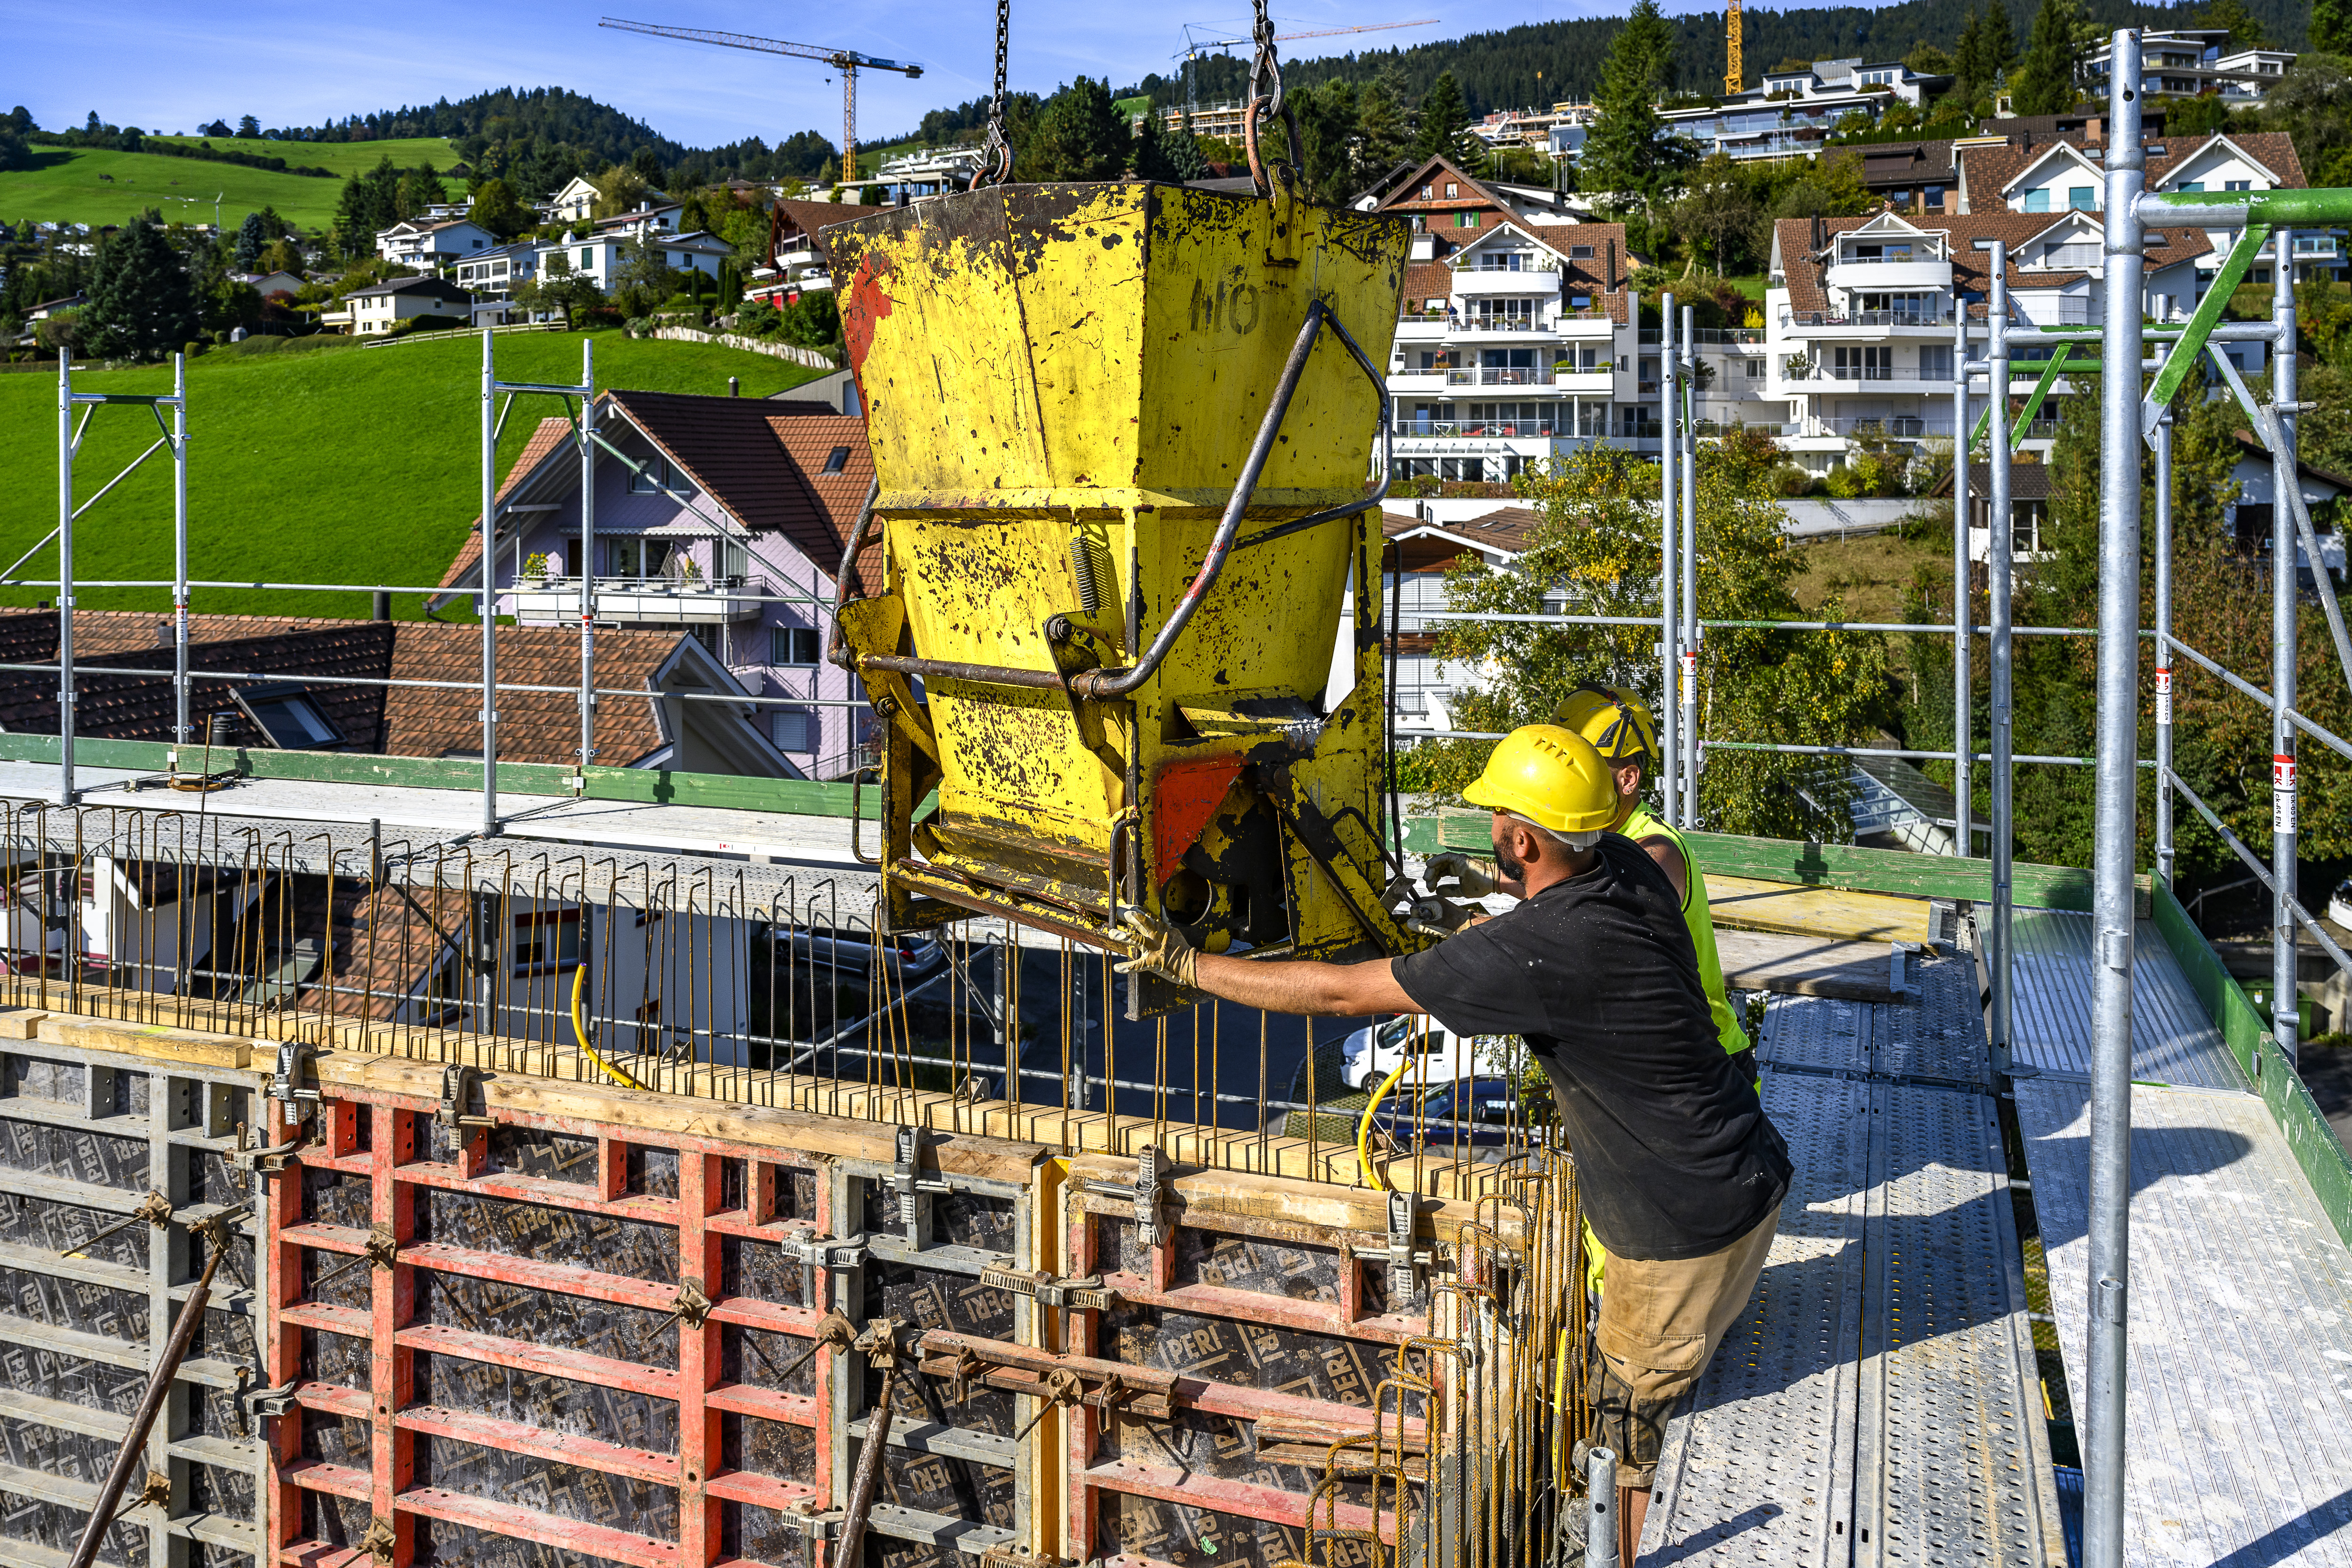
1696 915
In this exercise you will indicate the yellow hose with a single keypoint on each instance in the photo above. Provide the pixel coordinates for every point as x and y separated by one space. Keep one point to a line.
1364 1128
580 1032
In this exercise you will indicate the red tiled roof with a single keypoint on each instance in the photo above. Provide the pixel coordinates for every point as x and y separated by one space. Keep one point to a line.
809 218
1969 265
533 726
1990 169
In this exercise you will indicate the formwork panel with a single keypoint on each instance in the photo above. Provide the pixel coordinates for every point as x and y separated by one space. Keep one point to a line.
632 1247
755 1535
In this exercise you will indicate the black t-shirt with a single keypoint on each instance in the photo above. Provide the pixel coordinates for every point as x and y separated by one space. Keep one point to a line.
1674 1154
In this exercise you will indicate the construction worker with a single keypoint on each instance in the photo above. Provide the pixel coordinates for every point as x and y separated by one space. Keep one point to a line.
1680 1172
1621 730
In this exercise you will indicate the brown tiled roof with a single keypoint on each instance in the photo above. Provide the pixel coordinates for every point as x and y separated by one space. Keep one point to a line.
533 727
1905 162
1990 169
1510 528
810 217
765 466
387 942
551 435
1424 281
1968 264
2027 482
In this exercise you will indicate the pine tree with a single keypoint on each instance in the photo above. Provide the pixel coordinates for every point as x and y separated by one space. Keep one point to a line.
141 304
2245 28
2044 82
1168 153
1968 58
251 236
1079 137
1443 117
1624 153
1996 42
2331 27
1382 137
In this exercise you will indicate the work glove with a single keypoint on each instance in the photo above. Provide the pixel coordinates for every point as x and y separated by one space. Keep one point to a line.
1433 916
1475 877
1159 949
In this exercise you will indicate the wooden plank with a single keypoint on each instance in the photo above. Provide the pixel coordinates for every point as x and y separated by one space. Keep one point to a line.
1845 914
1807 966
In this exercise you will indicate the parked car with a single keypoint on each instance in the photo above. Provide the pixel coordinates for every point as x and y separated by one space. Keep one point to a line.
852 953
1476 1111
2339 903
1367 1056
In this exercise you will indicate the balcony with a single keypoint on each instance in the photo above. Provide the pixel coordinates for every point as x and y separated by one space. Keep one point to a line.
1498 375
1878 272
1515 429
642 601
1504 326
1811 319
1730 337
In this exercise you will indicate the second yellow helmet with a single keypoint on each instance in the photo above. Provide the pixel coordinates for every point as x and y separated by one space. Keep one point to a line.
1615 720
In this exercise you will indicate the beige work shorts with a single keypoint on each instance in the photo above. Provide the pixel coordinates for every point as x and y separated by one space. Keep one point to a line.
1660 1322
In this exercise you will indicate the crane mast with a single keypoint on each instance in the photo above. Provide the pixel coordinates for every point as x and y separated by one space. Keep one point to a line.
1733 73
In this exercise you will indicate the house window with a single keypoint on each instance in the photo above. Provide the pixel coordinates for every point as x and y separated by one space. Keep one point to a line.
1429 193
1935 198
1754 368
2037 201
587 258
1863 362
2237 185
837 459
2082 198
1579 252
796 731
1502 261
1453 190
734 560
1936 362
629 556
793 647
1465 220
649 477
546 940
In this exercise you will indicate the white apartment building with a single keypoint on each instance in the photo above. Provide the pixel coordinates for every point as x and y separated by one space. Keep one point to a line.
1859 313
597 255
2187 61
1792 111
430 245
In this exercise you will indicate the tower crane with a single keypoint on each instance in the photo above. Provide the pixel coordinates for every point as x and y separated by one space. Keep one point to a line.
848 62
1733 73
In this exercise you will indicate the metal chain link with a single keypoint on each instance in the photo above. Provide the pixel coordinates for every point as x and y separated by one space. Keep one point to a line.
996 161
1265 103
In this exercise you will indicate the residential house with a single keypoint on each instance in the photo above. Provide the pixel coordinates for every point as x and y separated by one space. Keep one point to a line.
2029 509
1418 550
2256 515
2186 62
1859 312
723 518
493 276
363 312
647 219
1445 203
431 246
598 255
47 307
932 172
798 259
1794 112
576 202
269 283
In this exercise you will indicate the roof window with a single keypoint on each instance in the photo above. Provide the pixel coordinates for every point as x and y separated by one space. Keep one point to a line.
837 459
286 714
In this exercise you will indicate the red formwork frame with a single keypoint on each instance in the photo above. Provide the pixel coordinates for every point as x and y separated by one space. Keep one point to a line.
1092 1475
397 1130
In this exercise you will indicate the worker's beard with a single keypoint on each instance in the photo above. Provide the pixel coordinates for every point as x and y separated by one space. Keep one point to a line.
1512 869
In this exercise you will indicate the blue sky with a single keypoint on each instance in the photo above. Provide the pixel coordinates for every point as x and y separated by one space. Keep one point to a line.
173 67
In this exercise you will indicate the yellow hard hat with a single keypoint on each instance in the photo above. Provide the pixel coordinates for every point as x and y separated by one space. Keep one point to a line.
1550 776
1612 719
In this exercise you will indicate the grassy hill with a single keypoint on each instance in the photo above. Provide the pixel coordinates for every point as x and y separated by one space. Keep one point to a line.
66 188
332 463
342 157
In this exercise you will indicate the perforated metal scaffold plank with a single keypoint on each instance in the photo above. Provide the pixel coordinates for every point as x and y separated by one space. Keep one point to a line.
2172 1040
1761 1468
2239 1370
1953 1464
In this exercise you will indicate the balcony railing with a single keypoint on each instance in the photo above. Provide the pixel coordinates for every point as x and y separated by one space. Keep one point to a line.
1498 375
1541 264
1789 317
1854 372
1511 428
644 600
1502 324
1887 260
1895 427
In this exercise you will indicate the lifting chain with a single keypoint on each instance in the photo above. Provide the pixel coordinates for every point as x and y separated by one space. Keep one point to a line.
1265 103
996 153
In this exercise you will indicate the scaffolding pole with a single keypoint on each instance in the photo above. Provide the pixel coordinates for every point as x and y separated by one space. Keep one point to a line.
489 714
2284 484
66 444
1671 740
1690 638
2115 836
587 565
182 730
2161 438
2000 546
1963 737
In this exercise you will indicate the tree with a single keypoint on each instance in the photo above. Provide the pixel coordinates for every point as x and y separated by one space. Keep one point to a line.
251 236
1382 138
620 189
1598 541
1168 153
247 125
421 188
283 255
1624 152
1716 213
1968 58
229 304
2245 28
642 279
1997 42
1080 136
495 210
2044 83
142 305
1443 119
370 202
2330 28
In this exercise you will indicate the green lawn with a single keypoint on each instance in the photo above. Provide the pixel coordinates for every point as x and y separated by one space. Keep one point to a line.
66 188
337 465
342 157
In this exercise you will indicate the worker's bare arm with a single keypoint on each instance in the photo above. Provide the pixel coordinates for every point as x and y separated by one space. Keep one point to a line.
1670 861
1320 990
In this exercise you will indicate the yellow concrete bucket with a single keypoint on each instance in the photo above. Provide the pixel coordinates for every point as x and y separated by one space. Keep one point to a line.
1123 437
